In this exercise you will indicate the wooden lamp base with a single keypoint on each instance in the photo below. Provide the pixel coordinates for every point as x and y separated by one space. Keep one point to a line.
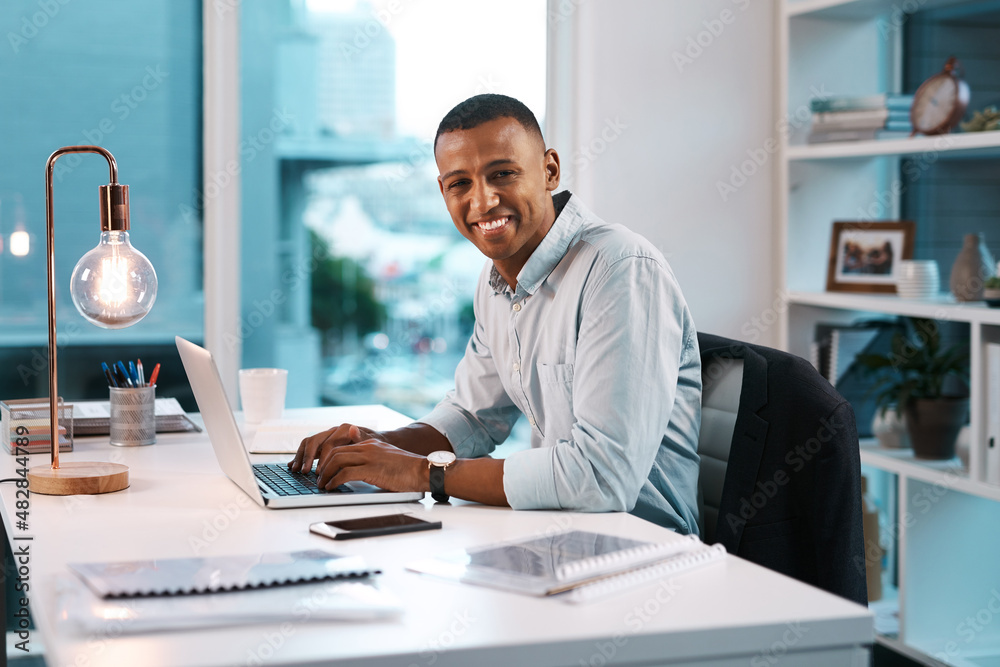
78 478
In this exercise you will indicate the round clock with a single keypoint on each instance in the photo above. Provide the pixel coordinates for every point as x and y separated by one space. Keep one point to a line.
940 102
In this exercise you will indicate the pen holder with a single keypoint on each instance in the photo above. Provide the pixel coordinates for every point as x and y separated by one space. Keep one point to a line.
133 416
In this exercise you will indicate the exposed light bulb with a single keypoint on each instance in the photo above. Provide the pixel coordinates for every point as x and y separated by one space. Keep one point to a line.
113 285
20 243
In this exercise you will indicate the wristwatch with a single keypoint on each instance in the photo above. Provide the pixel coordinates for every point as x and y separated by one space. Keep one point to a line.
438 462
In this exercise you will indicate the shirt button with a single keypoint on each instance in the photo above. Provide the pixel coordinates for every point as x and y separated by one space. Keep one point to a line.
517 307
531 420
517 367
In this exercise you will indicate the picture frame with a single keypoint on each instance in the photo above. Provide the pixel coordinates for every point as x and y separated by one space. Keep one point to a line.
864 255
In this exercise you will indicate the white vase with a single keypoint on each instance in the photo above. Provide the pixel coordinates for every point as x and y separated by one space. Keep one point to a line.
890 429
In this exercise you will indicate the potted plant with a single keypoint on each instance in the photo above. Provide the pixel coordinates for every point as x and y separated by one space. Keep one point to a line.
991 291
918 378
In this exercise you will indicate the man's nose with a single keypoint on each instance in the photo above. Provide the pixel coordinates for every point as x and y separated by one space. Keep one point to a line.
484 198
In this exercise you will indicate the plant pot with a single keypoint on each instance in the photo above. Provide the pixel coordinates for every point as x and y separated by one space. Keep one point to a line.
890 429
991 295
933 425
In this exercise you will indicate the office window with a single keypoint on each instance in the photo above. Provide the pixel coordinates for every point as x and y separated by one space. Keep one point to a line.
354 277
127 77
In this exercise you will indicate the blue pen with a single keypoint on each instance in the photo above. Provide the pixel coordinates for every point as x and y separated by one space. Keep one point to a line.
133 373
121 368
107 373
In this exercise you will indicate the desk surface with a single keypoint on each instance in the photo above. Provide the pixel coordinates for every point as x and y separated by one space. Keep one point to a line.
179 501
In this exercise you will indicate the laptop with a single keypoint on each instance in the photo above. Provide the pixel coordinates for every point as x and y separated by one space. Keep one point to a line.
271 485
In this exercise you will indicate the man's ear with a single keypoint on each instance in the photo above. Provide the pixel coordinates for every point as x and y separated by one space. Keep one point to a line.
440 185
552 169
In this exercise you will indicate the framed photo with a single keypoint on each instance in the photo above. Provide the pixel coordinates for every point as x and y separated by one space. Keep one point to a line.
864 256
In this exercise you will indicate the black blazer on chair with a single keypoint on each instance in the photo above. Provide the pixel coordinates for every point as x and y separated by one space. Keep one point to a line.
791 500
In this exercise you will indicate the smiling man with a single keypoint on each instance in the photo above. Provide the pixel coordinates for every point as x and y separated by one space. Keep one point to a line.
580 326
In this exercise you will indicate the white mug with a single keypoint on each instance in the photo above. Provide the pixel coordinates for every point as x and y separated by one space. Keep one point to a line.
262 393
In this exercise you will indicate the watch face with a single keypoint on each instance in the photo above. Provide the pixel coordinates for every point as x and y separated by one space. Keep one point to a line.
441 458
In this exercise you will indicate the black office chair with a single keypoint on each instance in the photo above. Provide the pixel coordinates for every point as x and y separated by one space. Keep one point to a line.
780 481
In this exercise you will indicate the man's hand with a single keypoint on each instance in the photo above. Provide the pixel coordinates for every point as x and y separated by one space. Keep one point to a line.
315 446
348 453
375 462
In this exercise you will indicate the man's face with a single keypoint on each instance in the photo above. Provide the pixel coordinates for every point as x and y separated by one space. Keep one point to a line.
496 180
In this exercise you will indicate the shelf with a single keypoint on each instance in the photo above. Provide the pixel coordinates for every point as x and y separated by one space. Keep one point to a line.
970 145
886 611
949 474
907 651
856 9
943 307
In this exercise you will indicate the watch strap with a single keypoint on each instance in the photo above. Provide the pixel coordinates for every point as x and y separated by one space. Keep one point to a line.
437 484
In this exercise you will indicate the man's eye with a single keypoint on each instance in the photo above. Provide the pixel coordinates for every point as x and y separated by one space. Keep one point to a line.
504 174
457 184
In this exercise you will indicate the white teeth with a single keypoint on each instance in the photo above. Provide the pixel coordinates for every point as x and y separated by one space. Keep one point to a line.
495 224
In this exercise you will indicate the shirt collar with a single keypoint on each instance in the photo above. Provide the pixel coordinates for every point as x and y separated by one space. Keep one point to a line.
550 251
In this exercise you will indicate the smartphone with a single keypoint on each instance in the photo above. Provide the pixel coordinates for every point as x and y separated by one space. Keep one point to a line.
371 526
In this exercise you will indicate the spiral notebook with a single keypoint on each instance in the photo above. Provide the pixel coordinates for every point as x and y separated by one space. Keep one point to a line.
185 576
586 564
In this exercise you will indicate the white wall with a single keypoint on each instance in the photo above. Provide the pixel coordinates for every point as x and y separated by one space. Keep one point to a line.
668 97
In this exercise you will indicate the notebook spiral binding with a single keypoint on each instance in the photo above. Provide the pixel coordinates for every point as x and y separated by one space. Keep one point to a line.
612 584
644 553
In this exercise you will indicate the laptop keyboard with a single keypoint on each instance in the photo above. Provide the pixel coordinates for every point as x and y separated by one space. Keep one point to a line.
284 482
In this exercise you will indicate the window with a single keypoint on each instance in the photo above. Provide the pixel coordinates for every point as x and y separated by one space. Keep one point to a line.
354 277
127 78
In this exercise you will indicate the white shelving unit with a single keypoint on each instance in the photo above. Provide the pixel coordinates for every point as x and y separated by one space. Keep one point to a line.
946 526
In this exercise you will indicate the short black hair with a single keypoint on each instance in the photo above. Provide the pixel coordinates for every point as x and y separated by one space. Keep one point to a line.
480 109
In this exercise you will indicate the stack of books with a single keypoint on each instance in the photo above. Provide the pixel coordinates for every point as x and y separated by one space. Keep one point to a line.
844 118
834 353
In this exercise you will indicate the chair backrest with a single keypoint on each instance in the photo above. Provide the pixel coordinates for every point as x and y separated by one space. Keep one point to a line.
722 382
780 474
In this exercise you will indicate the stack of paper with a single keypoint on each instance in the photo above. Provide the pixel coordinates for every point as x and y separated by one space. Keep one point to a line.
178 593
93 417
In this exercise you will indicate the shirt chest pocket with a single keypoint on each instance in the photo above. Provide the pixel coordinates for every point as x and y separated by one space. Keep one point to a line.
556 385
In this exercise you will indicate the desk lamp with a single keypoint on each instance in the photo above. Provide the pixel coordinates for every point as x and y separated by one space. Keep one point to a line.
113 286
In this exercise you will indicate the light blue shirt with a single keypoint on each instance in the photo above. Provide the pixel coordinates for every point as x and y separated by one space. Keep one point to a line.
596 347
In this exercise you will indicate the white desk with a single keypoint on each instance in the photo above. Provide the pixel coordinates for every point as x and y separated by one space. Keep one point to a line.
727 613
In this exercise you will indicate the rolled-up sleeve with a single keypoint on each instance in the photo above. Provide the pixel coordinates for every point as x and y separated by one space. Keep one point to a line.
624 380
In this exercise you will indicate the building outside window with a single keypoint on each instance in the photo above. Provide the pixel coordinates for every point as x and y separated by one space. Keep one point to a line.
354 277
